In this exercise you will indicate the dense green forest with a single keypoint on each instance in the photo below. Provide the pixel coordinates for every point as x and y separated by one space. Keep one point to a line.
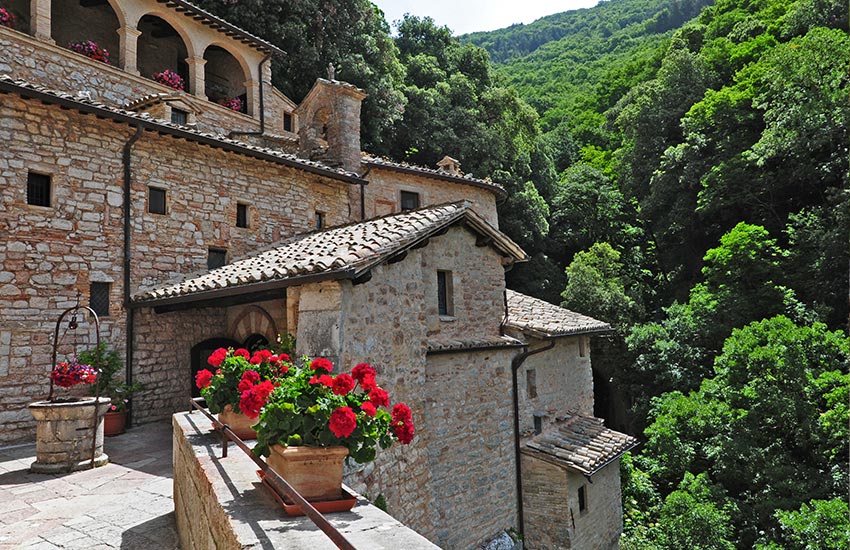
678 168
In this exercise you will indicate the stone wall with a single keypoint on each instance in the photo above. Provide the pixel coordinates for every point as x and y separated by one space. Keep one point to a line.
563 381
383 193
599 527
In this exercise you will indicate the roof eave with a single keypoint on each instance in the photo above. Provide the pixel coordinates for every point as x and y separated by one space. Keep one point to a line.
536 333
492 187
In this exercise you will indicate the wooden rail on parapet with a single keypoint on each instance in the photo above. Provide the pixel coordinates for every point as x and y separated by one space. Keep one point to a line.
277 482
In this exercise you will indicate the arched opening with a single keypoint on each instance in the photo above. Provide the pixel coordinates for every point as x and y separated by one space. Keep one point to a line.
88 27
18 15
224 79
255 342
160 48
200 353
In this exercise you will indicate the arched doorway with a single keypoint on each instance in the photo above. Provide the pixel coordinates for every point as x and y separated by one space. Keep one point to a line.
224 79
81 21
161 48
201 352
255 342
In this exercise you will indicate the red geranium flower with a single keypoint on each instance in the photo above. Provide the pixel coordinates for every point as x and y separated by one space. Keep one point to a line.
284 357
254 399
379 397
243 353
203 378
362 371
260 356
343 384
322 363
217 357
343 421
323 379
404 432
369 408
401 412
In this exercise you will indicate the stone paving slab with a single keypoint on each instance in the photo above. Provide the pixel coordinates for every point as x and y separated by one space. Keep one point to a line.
126 504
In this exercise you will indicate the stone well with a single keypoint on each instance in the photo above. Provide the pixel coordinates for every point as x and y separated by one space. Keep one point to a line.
64 435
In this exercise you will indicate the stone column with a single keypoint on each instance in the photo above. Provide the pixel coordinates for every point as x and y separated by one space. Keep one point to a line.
40 20
128 38
197 87
252 91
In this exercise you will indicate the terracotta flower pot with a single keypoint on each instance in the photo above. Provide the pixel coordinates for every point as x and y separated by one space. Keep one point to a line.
315 472
114 422
241 425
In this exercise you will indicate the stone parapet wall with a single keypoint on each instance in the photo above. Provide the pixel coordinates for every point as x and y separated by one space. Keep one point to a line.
219 504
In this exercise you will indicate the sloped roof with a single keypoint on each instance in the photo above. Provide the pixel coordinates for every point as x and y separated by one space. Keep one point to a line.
580 443
542 319
343 252
472 344
496 188
85 105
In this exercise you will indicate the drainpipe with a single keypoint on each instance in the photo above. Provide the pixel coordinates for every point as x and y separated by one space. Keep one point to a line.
516 363
128 361
262 129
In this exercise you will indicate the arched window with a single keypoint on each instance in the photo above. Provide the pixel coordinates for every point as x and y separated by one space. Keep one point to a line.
89 27
224 79
160 48
20 12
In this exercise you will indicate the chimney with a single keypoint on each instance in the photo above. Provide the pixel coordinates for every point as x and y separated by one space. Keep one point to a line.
449 166
329 129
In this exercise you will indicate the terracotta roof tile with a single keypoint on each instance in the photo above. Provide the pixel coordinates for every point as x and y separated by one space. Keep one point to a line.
470 344
542 318
581 443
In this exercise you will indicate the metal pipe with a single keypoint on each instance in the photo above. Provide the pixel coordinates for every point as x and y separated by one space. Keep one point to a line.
129 328
516 363
262 129
280 484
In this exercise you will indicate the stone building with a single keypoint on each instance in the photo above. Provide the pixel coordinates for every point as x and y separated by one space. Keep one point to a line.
190 220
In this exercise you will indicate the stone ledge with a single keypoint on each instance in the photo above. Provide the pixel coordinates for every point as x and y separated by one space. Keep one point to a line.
220 503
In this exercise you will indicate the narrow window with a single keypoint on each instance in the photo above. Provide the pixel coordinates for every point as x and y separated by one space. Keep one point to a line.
179 117
409 201
156 200
287 122
217 258
531 383
38 189
582 499
445 301
319 220
582 346
241 215
538 424
99 298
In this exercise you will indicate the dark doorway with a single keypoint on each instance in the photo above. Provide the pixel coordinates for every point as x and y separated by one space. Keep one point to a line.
255 342
201 352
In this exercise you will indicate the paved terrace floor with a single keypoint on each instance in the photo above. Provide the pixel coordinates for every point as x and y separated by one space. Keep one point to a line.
126 504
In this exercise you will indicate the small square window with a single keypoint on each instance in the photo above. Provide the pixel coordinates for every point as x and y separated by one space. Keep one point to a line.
217 257
319 220
38 189
99 298
445 300
287 122
409 201
156 200
179 117
531 383
582 499
241 215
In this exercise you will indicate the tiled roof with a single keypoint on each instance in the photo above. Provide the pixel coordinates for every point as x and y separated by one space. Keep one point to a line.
581 443
496 188
540 318
471 344
347 251
86 105
222 26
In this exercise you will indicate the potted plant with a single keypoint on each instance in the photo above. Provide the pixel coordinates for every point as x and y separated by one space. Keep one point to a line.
107 385
240 379
312 420
233 103
7 18
90 49
170 79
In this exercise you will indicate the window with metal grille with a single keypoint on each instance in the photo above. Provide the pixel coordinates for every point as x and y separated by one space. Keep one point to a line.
241 215
409 201
99 298
179 117
445 301
287 122
38 189
156 200
216 258
319 221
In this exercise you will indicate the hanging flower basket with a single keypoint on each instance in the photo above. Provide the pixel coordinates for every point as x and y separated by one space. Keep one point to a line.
90 49
233 103
7 19
170 79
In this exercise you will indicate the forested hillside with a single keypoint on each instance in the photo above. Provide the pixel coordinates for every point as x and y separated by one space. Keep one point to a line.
680 170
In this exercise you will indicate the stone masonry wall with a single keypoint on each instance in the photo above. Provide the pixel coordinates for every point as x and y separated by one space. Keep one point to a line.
563 382
546 505
599 527
48 254
383 193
